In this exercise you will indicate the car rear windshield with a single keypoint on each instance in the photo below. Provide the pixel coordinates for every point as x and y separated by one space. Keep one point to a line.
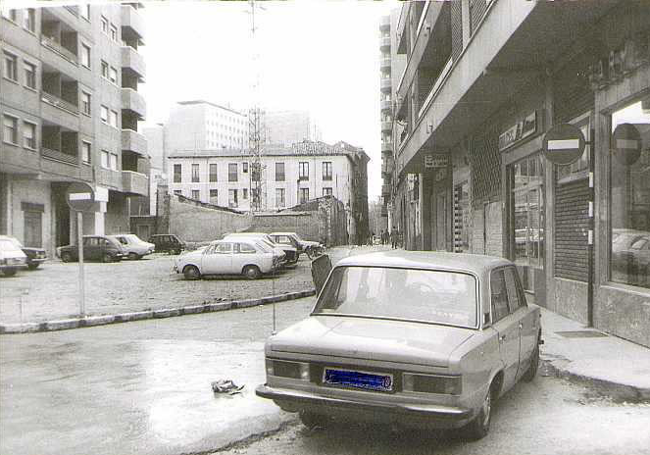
433 296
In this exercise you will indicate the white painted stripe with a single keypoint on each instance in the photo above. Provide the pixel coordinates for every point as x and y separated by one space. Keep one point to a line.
80 196
627 144
563 144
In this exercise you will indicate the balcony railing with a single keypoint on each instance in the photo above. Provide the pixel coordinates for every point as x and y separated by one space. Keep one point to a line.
436 85
385 190
386 146
135 183
386 125
384 41
59 156
384 63
133 101
55 101
385 105
385 84
133 60
56 47
73 9
134 142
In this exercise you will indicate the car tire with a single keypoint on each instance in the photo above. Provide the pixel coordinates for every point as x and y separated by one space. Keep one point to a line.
480 426
530 374
66 257
106 257
134 256
313 421
191 272
33 266
9 271
252 272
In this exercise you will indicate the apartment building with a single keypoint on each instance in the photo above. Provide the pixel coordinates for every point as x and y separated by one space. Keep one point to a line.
288 127
70 109
485 81
289 176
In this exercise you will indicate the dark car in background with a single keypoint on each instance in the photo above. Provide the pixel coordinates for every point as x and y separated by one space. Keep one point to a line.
168 243
291 253
35 256
95 248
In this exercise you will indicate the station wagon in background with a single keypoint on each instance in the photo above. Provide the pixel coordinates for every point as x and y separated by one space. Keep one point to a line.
418 339
96 248
134 247
167 243
12 257
243 256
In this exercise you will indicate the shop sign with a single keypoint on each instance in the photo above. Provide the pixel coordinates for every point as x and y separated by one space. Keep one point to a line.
563 144
518 132
626 144
436 161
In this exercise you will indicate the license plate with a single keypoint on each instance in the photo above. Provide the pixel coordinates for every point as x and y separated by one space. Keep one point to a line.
358 379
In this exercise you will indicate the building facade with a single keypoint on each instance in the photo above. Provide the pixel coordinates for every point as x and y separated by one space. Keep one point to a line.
485 81
70 109
289 127
289 176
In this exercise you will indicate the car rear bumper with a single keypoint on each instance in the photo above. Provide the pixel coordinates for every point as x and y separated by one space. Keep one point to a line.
447 416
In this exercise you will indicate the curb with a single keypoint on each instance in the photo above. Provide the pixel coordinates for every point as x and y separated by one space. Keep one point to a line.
93 321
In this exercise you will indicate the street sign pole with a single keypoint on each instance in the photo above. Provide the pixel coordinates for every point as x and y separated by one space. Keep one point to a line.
82 290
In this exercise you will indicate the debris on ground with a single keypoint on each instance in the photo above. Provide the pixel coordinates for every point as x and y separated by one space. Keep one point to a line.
226 386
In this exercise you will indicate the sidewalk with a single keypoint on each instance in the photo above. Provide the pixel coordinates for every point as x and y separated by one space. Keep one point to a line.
617 368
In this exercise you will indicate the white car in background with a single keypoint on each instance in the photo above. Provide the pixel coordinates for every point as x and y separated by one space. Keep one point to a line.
248 257
134 246
12 257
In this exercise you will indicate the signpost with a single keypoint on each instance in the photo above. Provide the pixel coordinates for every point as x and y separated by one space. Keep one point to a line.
563 144
81 198
626 144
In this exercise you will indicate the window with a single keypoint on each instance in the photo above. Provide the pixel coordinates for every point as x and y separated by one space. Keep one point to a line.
113 162
214 197
629 195
303 168
244 193
213 173
85 152
327 170
113 75
232 198
232 172
246 248
10 132
11 66
113 33
30 19
29 135
178 192
327 191
9 13
304 195
516 297
30 75
177 173
112 118
279 197
527 210
244 168
279 172
85 55
499 295
85 103
105 159
104 25
85 11
104 69
195 173
196 195
103 113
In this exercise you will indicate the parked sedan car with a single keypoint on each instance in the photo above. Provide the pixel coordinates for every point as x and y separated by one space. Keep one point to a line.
309 247
244 256
290 251
409 338
35 256
134 247
12 257
169 243
95 248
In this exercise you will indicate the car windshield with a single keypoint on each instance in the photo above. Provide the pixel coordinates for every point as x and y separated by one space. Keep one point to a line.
263 247
8 245
433 296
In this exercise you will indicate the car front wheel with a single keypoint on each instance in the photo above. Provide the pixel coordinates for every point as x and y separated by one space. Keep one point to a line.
134 256
66 257
480 426
107 258
312 421
191 272
252 272
33 266
9 271
534 365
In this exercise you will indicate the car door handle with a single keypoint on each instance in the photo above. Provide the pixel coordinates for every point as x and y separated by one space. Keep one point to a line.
502 338
521 325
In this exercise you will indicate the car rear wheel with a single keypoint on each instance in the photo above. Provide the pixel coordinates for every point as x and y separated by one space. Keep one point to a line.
66 257
191 272
251 272
106 257
134 256
480 426
313 421
534 365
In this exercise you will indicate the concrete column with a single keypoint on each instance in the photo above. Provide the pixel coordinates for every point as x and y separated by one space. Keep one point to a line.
426 218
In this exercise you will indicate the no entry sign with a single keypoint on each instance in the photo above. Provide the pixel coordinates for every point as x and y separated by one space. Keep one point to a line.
563 144
626 144
81 198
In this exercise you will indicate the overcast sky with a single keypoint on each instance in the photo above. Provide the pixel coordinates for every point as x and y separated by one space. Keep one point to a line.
321 56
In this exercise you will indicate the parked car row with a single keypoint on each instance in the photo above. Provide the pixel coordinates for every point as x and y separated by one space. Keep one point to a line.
107 248
15 256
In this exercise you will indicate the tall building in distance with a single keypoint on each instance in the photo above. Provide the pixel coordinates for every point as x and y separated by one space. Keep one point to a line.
290 127
70 108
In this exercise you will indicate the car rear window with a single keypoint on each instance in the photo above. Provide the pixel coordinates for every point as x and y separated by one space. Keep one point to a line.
433 296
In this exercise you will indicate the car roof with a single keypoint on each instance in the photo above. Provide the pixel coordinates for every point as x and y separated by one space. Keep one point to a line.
246 234
242 240
474 263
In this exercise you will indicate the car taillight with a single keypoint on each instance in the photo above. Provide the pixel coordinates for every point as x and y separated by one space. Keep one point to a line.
432 384
285 369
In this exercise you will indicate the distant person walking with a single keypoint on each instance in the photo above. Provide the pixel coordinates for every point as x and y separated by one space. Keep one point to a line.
393 237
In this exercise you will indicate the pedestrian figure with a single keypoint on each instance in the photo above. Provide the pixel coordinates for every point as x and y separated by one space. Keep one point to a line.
393 237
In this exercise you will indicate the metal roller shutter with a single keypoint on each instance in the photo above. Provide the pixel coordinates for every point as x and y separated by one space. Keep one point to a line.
571 228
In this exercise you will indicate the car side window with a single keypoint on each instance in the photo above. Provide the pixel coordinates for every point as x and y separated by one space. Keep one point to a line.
245 248
514 299
498 295
223 248
123 240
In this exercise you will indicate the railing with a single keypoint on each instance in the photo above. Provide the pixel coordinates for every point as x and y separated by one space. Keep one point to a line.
384 41
385 105
436 86
73 9
56 47
58 102
385 83
386 125
59 156
387 146
385 62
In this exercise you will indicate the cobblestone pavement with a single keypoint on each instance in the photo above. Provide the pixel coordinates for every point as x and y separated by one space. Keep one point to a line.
51 291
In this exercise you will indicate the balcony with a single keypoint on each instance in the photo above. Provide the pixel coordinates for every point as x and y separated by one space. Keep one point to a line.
134 142
387 165
133 61
56 47
61 157
385 105
384 63
384 23
134 183
60 103
56 111
385 190
132 24
384 43
386 126
386 147
132 100
385 84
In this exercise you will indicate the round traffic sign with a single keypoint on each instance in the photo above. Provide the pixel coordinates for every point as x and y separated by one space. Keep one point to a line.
80 197
563 144
626 144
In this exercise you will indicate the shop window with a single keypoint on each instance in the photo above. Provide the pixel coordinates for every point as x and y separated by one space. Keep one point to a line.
527 210
629 195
